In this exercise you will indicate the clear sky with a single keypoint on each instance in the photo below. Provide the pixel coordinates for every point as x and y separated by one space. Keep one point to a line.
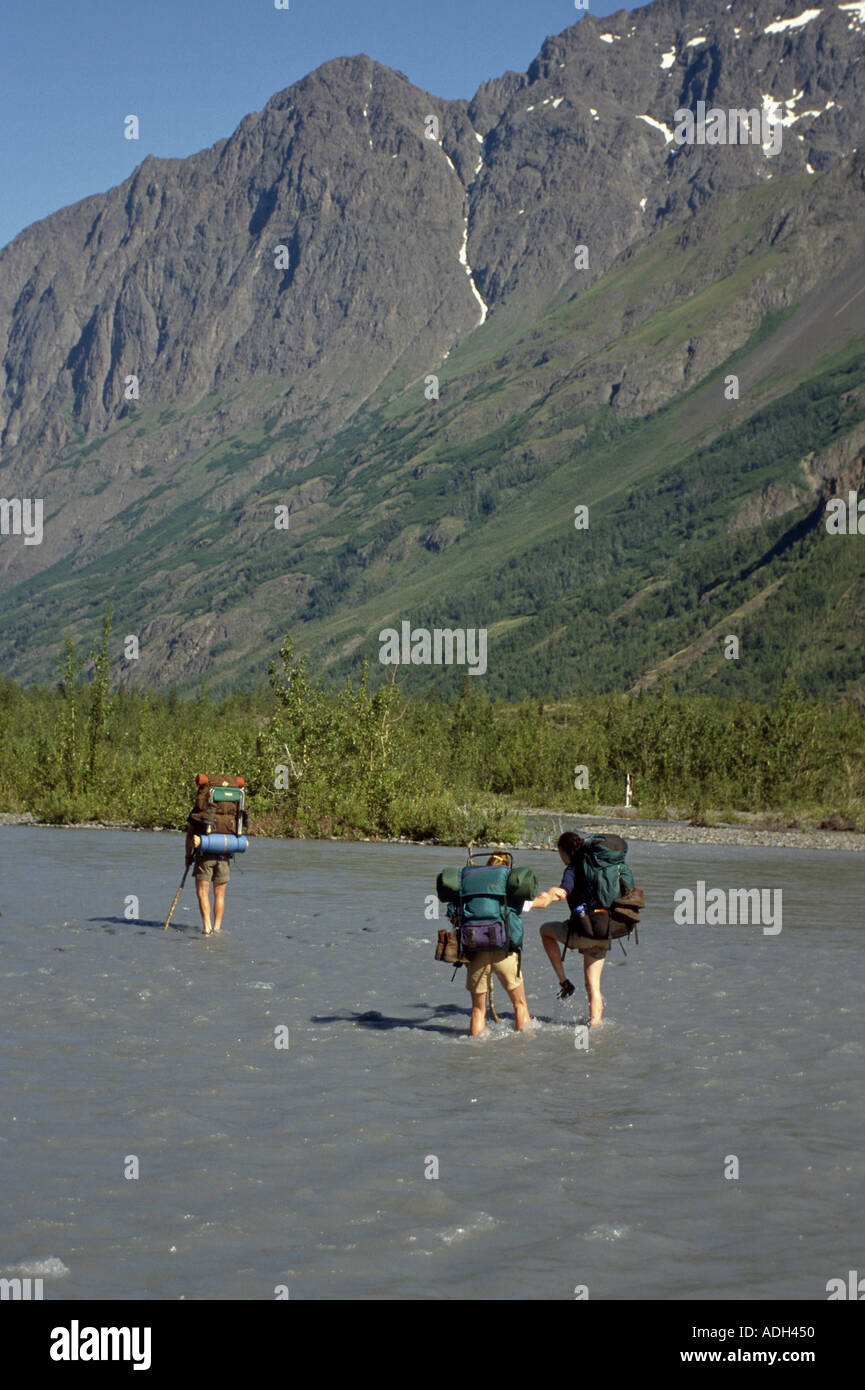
71 70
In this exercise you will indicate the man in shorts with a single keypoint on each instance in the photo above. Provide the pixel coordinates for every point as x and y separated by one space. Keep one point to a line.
505 965
209 868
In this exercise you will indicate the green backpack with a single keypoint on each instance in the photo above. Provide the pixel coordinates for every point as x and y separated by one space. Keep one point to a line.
604 869
484 903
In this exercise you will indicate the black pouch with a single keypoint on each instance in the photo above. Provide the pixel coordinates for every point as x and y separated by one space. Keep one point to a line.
599 919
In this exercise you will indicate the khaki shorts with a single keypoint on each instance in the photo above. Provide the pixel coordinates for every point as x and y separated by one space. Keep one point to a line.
506 966
592 950
212 868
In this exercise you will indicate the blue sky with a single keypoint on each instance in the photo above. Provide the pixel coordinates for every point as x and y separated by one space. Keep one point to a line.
191 69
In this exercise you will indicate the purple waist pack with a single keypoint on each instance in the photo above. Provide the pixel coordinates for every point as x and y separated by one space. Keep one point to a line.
483 936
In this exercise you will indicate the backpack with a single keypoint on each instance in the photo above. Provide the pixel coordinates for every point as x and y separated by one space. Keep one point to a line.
219 808
604 869
613 901
484 902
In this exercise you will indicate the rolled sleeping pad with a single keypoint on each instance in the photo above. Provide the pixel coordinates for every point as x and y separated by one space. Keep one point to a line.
220 844
522 884
448 886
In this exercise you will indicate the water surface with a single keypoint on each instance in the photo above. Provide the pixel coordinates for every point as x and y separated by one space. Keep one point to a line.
305 1167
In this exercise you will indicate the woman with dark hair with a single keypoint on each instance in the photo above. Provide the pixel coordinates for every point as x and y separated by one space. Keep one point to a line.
576 891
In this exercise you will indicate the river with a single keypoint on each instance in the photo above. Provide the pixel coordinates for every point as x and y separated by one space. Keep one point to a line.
309 1169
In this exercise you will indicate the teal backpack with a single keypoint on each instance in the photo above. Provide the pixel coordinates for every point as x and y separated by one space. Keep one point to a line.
484 903
604 869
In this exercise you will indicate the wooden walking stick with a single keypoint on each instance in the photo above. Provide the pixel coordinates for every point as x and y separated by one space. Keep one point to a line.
178 893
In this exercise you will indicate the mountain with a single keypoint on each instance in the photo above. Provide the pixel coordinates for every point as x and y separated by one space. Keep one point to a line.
284 298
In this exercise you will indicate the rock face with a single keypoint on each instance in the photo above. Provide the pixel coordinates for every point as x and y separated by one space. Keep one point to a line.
348 237
172 275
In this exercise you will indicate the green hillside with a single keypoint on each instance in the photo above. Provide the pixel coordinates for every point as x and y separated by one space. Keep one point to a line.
458 512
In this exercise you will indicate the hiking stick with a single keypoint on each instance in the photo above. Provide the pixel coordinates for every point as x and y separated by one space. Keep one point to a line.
178 893
492 1003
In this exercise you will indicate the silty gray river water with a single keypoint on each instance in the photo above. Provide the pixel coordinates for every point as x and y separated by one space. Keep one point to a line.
263 1168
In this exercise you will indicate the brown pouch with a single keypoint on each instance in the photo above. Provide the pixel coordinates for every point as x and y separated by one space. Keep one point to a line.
448 948
634 899
627 907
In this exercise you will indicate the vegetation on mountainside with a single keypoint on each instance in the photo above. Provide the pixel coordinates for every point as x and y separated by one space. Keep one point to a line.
458 512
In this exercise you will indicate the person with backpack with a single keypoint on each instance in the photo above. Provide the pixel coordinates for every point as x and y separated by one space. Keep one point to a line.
484 902
209 868
218 813
595 876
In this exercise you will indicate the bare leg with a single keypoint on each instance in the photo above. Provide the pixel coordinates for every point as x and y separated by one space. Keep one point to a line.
553 950
592 974
522 1017
218 904
479 1014
202 888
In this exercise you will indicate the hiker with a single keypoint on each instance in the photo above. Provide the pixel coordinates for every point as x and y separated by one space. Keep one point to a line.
507 967
218 812
485 908
209 868
584 886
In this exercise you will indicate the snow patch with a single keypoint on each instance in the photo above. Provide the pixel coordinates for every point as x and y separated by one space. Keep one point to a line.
557 103
469 273
809 169
857 13
480 163
781 25
658 125
642 205
668 59
692 43
772 108
594 113
609 38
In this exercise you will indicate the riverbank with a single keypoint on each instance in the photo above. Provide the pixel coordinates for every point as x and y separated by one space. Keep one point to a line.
546 824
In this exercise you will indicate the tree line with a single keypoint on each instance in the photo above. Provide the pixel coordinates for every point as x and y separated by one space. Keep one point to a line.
358 761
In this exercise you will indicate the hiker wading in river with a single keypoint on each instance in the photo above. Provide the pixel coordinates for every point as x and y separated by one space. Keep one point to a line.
576 891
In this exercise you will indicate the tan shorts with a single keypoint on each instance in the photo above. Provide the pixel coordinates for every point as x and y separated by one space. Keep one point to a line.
506 966
212 869
592 950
